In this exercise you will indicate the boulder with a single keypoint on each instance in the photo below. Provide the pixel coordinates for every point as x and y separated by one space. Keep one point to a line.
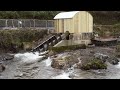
6 57
101 56
64 62
2 68
57 64
93 64
113 60
9 57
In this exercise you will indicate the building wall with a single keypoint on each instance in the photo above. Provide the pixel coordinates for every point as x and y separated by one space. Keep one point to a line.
82 22
91 23
83 26
67 25
64 25
85 22
76 23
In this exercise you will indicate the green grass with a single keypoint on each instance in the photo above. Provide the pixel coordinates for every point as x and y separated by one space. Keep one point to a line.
94 64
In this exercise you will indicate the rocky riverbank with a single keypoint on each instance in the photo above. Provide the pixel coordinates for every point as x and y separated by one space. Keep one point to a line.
4 60
29 65
89 58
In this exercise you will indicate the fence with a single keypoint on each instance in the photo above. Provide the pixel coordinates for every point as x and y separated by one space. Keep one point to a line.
26 23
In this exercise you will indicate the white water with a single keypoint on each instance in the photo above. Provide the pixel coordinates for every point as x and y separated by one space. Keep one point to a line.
118 66
47 72
62 76
67 74
48 62
28 57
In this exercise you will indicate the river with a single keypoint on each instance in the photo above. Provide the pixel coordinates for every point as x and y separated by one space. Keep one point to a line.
29 66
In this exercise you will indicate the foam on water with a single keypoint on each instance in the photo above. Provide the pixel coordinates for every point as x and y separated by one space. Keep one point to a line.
62 76
48 61
118 66
28 57
66 75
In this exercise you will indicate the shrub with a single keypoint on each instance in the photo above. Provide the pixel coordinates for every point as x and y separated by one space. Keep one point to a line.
8 38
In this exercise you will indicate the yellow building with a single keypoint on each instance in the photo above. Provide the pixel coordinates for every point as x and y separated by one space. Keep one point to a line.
74 22
80 23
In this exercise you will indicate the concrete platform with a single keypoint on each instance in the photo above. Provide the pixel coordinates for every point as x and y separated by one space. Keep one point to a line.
72 42
105 41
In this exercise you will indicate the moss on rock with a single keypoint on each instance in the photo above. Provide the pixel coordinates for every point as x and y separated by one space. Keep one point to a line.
67 48
94 64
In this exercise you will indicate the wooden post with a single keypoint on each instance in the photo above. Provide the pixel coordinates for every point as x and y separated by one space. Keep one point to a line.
46 23
12 24
34 23
30 24
6 23
24 23
18 23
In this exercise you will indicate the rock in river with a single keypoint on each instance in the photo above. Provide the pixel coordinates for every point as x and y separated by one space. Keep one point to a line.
2 68
64 62
113 60
4 57
101 56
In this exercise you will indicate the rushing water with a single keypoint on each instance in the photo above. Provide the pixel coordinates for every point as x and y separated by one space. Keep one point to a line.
28 57
37 69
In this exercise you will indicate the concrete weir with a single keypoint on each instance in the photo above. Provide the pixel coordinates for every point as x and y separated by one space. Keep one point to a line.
72 42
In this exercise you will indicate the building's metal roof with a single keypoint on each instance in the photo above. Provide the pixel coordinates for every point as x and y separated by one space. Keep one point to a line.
66 15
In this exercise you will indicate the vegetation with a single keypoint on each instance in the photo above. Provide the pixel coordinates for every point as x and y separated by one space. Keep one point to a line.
100 17
94 64
106 17
110 30
66 48
10 38
28 14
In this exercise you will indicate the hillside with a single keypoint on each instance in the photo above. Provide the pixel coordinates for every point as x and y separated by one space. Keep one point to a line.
106 17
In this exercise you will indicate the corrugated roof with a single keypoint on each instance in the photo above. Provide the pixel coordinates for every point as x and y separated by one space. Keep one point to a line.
65 15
